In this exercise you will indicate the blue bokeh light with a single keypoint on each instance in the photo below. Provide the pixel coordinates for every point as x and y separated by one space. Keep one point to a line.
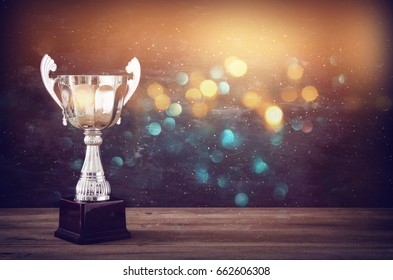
223 182
229 139
259 166
280 191
217 156
217 72
154 128
117 161
169 123
201 174
241 199
223 88
182 78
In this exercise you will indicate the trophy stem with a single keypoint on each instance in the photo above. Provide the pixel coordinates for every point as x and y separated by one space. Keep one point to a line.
92 185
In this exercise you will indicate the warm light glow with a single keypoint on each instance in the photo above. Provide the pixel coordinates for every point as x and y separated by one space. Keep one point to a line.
193 94
273 115
309 93
289 94
162 102
155 90
208 88
199 110
235 66
251 99
196 78
295 71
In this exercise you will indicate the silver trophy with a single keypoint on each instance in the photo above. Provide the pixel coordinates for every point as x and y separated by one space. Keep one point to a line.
90 103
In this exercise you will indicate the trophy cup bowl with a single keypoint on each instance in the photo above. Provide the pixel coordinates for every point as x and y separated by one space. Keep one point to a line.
91 103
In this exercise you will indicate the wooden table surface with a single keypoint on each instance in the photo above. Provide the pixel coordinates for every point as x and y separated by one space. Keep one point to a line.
211 233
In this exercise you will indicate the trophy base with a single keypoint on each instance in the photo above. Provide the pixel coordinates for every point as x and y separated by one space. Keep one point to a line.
92 222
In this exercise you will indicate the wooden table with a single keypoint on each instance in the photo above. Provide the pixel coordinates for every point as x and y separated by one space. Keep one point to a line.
211 233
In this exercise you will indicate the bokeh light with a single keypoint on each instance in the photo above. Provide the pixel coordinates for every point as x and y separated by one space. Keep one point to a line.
217 156
280 191
230 140
162 102
217 72
307 126
154 128
251 99
174 110
227 137
117 161
259 166
295 71
154 90
199 109
223 182
289 94
241 199
296 124
208 88
193 94
342 79
201 174
169 123
235 66
309 93
196 78
182 78
223 88
276 139
273 115
260 99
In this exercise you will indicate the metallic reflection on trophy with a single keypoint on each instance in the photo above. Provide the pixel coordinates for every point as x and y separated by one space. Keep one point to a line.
91 103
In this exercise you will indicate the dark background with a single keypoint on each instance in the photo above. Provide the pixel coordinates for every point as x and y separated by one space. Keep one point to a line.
335 151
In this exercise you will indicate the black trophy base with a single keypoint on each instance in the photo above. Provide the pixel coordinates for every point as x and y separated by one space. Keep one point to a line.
92 222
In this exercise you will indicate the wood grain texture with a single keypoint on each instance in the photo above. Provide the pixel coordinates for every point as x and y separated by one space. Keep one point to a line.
211 233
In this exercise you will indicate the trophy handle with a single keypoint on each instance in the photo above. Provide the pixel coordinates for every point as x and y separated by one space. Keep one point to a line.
135 68
48 64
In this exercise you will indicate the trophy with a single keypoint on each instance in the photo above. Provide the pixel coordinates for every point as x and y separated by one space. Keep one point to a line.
91 103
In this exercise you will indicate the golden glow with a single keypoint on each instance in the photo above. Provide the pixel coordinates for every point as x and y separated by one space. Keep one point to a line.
196 78
295 71
251 99
273 115
235 66
162 102
155 90
289 94
208 88
199 110
193 94
309 93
